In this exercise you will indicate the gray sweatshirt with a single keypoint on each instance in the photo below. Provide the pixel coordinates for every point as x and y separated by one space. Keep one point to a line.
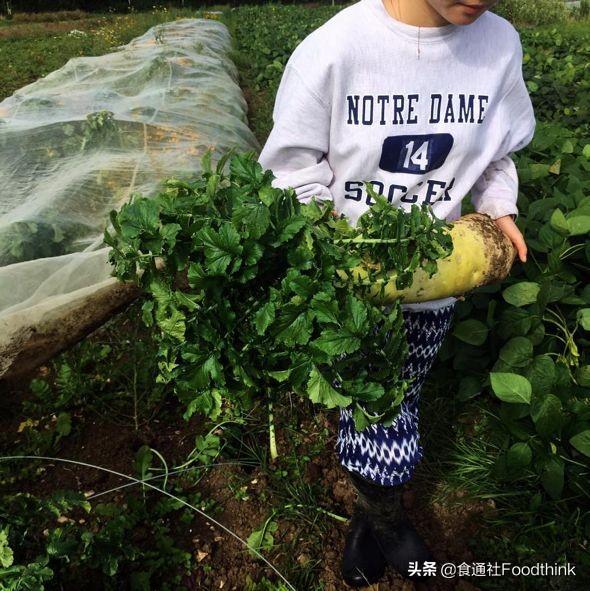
425 115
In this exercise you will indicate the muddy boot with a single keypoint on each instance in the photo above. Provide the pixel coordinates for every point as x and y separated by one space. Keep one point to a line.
399 542
362 562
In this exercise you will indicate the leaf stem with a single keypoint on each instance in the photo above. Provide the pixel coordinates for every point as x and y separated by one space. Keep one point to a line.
271 431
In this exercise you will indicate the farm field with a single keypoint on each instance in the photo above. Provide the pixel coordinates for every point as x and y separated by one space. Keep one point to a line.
507 467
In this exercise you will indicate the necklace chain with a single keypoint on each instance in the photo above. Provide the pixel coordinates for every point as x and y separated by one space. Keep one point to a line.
397 13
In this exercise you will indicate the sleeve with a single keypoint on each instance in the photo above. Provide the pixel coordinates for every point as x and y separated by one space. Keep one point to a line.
296 148
496 190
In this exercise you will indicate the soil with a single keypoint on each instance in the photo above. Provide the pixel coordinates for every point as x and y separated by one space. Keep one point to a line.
446 528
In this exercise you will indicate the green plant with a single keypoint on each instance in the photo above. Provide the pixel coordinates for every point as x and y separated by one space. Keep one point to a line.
534 330
555 66
105 538
532 12
244 295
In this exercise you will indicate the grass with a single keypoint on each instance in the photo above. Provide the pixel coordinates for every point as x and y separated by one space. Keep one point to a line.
31 50
569 28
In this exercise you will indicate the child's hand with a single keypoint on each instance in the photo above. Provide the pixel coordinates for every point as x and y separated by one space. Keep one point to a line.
507 225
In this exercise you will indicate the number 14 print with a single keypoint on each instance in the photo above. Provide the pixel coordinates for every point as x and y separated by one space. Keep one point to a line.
415 154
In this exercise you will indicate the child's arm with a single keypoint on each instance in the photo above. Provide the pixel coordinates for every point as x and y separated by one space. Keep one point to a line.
296 147
496 191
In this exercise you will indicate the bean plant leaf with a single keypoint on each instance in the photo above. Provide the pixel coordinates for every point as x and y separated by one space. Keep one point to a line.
517 352
472 331
519 456
559 222
511 387
469 387
579 225
546 413
552 477
583 376
522 293
581 442
583 318
541 374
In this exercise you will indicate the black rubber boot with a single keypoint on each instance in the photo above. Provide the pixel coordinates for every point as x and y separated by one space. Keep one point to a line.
396 537
362 560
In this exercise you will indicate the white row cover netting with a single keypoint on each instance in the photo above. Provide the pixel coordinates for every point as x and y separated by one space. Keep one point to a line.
80 141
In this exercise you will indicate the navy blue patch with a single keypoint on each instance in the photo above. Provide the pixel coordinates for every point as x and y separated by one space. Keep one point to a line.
415 154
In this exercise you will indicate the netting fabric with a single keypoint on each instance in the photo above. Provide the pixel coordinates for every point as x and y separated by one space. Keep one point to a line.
78 142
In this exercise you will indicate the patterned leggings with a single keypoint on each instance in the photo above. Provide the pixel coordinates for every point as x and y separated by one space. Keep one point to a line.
389 455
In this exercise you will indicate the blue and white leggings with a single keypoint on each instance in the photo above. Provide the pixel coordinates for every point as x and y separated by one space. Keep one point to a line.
389 455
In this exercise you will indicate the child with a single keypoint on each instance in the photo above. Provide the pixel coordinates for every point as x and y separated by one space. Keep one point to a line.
425 99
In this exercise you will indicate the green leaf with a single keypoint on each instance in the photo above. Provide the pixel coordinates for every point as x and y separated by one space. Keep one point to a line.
552 477
472 332
586 151
143 460
264 317
519 456
336 341
188 301
517 352
583 318
511 387
290 229
357 316
469 387
541 374
567 147
299 284
6 554
581 442
162 294
174 325
139 217
147 309
219 247
280 376
579 225
360 389
360 419
539 171
583 376
196 276
207 403
254 217
546 413
169 232
294 328
63 425
320 391
521 294
262 539
325 308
